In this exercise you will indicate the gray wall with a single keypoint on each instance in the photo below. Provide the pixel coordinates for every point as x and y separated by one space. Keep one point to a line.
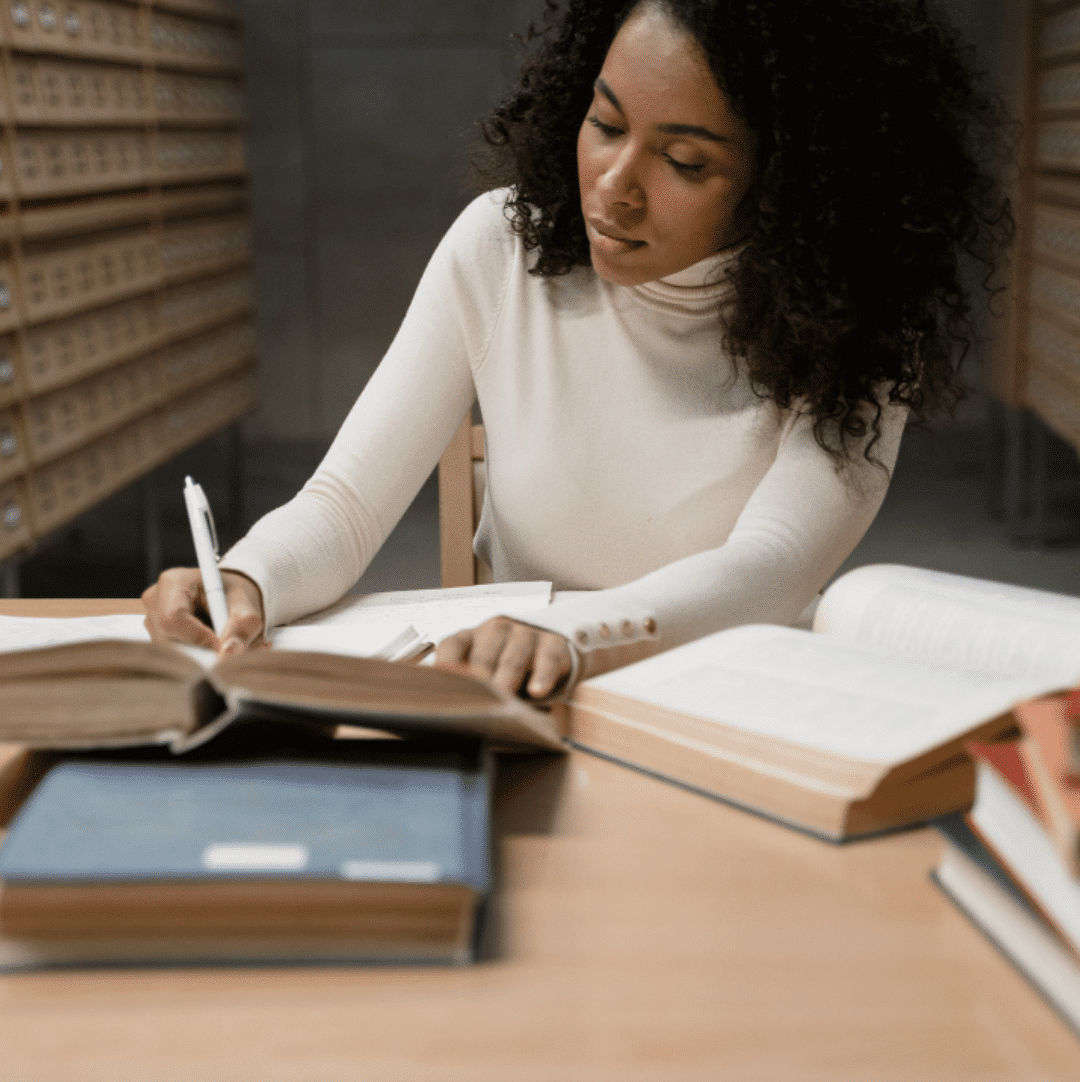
362 115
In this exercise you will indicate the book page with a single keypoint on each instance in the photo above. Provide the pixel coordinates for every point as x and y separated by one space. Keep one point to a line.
1021 843
363 626
820 692
33 632
982 627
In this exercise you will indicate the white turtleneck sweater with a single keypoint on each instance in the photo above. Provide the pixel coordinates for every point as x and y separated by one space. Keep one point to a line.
626 456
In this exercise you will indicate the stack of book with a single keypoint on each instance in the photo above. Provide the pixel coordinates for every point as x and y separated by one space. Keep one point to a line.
284 806
1012 864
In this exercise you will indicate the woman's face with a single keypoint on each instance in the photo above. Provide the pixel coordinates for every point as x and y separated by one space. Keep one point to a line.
663 162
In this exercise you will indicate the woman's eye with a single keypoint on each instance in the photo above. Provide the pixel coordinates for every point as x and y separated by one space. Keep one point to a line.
686 167
607 129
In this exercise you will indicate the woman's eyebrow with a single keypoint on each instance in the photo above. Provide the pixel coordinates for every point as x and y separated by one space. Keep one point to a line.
693 129
667 129
608 93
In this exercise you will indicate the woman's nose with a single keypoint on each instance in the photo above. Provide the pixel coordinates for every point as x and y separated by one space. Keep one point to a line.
620 181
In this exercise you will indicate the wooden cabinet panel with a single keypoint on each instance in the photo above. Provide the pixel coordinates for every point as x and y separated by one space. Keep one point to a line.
14 518
89 273
13 457
126 286
182 42
1059 34
12 382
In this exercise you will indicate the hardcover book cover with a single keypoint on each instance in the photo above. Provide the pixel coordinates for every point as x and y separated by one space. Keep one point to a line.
373 850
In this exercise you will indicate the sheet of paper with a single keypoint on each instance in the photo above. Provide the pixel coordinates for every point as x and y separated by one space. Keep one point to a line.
354 640
820 692
31 632
360 626
364 625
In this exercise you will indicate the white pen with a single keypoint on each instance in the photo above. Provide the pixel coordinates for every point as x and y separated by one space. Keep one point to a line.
206 549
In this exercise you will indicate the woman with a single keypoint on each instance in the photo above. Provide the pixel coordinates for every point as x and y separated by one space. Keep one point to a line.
721 270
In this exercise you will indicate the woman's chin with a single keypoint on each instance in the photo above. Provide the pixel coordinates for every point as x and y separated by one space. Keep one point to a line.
620 270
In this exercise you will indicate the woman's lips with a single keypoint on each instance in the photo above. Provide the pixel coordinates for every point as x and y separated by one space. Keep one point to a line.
600 236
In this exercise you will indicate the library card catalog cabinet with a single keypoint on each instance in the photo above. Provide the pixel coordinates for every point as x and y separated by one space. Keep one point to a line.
126 287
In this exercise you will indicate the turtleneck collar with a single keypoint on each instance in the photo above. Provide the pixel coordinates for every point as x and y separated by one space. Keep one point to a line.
699 290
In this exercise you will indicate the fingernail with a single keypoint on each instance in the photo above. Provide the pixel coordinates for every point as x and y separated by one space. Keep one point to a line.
232 646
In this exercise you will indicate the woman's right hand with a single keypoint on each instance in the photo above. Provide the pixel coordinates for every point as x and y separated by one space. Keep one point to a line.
175 603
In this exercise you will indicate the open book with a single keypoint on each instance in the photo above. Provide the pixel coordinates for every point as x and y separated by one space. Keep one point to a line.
83 690
855 728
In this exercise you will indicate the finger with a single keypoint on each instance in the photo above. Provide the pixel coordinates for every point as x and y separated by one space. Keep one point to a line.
488 641
171 607
242 631
515 659
454 650
187 627
149 600
245 625
551 663
242 592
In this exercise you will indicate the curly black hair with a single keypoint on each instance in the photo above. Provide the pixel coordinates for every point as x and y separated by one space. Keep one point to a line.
878 175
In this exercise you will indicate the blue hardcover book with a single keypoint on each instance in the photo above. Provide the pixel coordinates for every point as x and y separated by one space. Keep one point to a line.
365 850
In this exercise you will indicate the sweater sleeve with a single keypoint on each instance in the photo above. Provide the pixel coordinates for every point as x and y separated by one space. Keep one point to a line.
801 523
304 555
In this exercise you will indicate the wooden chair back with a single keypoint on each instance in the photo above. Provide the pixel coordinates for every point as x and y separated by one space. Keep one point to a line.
460 500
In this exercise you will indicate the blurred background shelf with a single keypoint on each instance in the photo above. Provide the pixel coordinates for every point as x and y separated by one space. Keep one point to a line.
126 282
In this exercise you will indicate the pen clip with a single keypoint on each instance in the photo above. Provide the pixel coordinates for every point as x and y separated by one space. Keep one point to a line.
204 507
213 532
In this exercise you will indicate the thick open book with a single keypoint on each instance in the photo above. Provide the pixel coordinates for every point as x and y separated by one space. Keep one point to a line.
855 728
93 692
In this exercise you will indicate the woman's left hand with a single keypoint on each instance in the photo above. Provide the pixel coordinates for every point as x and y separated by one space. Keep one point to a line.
522 660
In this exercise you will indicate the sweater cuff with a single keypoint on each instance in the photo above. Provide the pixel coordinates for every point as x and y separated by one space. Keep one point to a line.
601 636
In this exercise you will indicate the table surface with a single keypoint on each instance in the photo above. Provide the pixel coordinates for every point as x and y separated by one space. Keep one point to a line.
639 932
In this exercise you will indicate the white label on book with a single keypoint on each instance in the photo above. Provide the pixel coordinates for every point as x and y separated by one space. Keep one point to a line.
255 857
410 871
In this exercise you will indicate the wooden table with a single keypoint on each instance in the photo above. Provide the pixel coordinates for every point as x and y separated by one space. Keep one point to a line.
640 932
